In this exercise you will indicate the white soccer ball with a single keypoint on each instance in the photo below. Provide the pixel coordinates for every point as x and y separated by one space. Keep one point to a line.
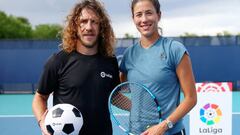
64 119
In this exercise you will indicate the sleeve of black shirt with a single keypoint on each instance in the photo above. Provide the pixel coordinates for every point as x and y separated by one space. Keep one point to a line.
49 78
116 73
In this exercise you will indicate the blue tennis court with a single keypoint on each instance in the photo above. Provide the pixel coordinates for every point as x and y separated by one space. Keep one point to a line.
16 117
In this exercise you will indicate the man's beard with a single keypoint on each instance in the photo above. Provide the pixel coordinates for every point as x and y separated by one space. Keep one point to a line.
87 45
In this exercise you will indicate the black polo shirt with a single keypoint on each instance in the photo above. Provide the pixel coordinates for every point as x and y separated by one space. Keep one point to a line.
85 82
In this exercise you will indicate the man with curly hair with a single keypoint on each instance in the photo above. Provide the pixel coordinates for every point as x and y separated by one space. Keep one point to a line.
84 72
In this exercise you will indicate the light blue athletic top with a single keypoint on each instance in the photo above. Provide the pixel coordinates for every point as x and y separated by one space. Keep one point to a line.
155 67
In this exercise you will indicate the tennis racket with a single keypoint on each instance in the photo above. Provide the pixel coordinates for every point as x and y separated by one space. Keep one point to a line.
133 108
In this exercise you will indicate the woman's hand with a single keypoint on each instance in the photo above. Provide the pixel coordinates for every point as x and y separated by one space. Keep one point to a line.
158 129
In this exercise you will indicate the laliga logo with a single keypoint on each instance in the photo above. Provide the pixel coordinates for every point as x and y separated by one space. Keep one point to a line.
214 87
103 75
56 124
210 114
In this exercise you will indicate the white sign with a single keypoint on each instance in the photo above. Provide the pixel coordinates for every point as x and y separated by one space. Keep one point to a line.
213 113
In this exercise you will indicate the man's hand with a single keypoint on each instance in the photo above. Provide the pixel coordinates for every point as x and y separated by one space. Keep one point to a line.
42 125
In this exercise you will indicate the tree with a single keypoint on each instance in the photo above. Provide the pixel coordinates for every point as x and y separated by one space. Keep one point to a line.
23 20
186 34
127 35
14 27
224 33
47 31
19 28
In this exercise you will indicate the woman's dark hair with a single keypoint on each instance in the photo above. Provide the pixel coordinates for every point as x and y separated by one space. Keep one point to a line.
155 3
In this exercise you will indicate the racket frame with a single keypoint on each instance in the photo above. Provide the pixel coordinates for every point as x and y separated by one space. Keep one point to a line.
110 104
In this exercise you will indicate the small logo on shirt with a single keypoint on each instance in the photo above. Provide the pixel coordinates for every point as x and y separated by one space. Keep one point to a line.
103 75
163 56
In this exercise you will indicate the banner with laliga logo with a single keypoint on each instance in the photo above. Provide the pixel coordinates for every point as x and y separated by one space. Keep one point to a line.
213 113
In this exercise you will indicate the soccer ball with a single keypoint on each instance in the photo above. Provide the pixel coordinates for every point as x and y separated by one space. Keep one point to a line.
64 119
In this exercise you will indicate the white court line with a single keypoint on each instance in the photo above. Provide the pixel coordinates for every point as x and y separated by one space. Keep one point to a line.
119 114
5 116
12 116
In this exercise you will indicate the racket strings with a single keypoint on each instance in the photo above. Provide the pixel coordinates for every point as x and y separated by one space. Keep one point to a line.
134 108
122 104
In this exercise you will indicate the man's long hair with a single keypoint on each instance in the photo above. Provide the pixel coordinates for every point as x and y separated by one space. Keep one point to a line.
106 37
